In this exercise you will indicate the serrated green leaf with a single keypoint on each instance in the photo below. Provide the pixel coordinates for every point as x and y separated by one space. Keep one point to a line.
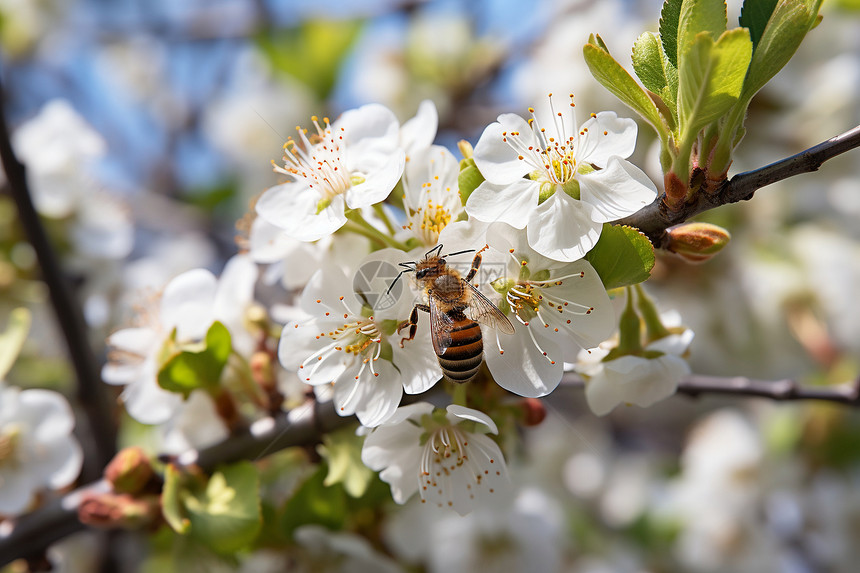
657 74
622 256
468 179
225 515
171 503
615 78
788 25
711 77
12 339
754 16
313 502
342 451
313 52
647 62
669 16
188 370
698 16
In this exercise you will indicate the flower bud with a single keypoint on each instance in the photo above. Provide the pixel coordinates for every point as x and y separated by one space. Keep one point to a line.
129 471
697 242
534 412
119 511
466 149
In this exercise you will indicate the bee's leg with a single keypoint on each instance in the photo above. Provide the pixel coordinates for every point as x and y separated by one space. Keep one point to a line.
412 323
476 264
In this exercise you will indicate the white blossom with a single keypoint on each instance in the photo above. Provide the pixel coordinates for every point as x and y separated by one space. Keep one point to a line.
350 164
444 455
578 178
431 196
37 448
190 303
339 343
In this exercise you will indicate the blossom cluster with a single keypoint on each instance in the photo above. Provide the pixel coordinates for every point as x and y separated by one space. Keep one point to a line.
367 209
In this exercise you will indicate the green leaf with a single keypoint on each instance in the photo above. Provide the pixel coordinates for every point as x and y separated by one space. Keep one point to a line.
195 368
656 73
313 52
785 30
12 339
711 77
313 502
615 78
468 179
225 515
754 16
622 256
669 16
171 500
698 16
342 451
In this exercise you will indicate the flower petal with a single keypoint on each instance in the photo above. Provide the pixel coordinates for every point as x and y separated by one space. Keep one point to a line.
417 362
464 413
370 125
606 135
497 161
372 396
617 191
187 304
419 132
382 172
293 207
519 363
562 228
511 204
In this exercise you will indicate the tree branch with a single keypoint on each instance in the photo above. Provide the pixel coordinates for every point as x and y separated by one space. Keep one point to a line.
696 385
654 219
92 398
302 426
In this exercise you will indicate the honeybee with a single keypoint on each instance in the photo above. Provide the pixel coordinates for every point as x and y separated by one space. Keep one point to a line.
455 307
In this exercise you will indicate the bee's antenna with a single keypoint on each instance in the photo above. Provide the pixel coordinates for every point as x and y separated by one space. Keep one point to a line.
437 248
459 253
406 268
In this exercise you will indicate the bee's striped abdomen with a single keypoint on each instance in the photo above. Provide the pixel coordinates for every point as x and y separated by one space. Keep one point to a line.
462 359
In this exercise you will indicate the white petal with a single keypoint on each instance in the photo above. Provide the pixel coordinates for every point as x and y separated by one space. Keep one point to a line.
417 362
235 289
602 393
470 233
562 228
420 131
187 304
371 124
497 161
373 397
269 243
313 356
644 382
474 415
381 177
334 290
17 492
374 283
520 366
617 191
134 340
293 208
149 403
676 344
62 462
47 412
597 148
511 204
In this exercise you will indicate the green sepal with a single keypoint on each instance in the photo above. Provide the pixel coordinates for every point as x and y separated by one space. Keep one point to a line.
199 365
617 80
622 256
223 512
12 339
342 451
469 178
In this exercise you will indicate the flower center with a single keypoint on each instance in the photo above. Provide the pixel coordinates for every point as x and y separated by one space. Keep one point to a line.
551 155
319 161
444 452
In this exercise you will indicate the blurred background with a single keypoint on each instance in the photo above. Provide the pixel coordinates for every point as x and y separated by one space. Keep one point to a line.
176 110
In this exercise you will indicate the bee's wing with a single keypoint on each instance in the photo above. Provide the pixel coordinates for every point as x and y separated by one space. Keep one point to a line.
440 327
481 309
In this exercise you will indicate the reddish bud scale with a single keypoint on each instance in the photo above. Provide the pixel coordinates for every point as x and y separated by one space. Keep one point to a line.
534 411
119 511
129 471
697 242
